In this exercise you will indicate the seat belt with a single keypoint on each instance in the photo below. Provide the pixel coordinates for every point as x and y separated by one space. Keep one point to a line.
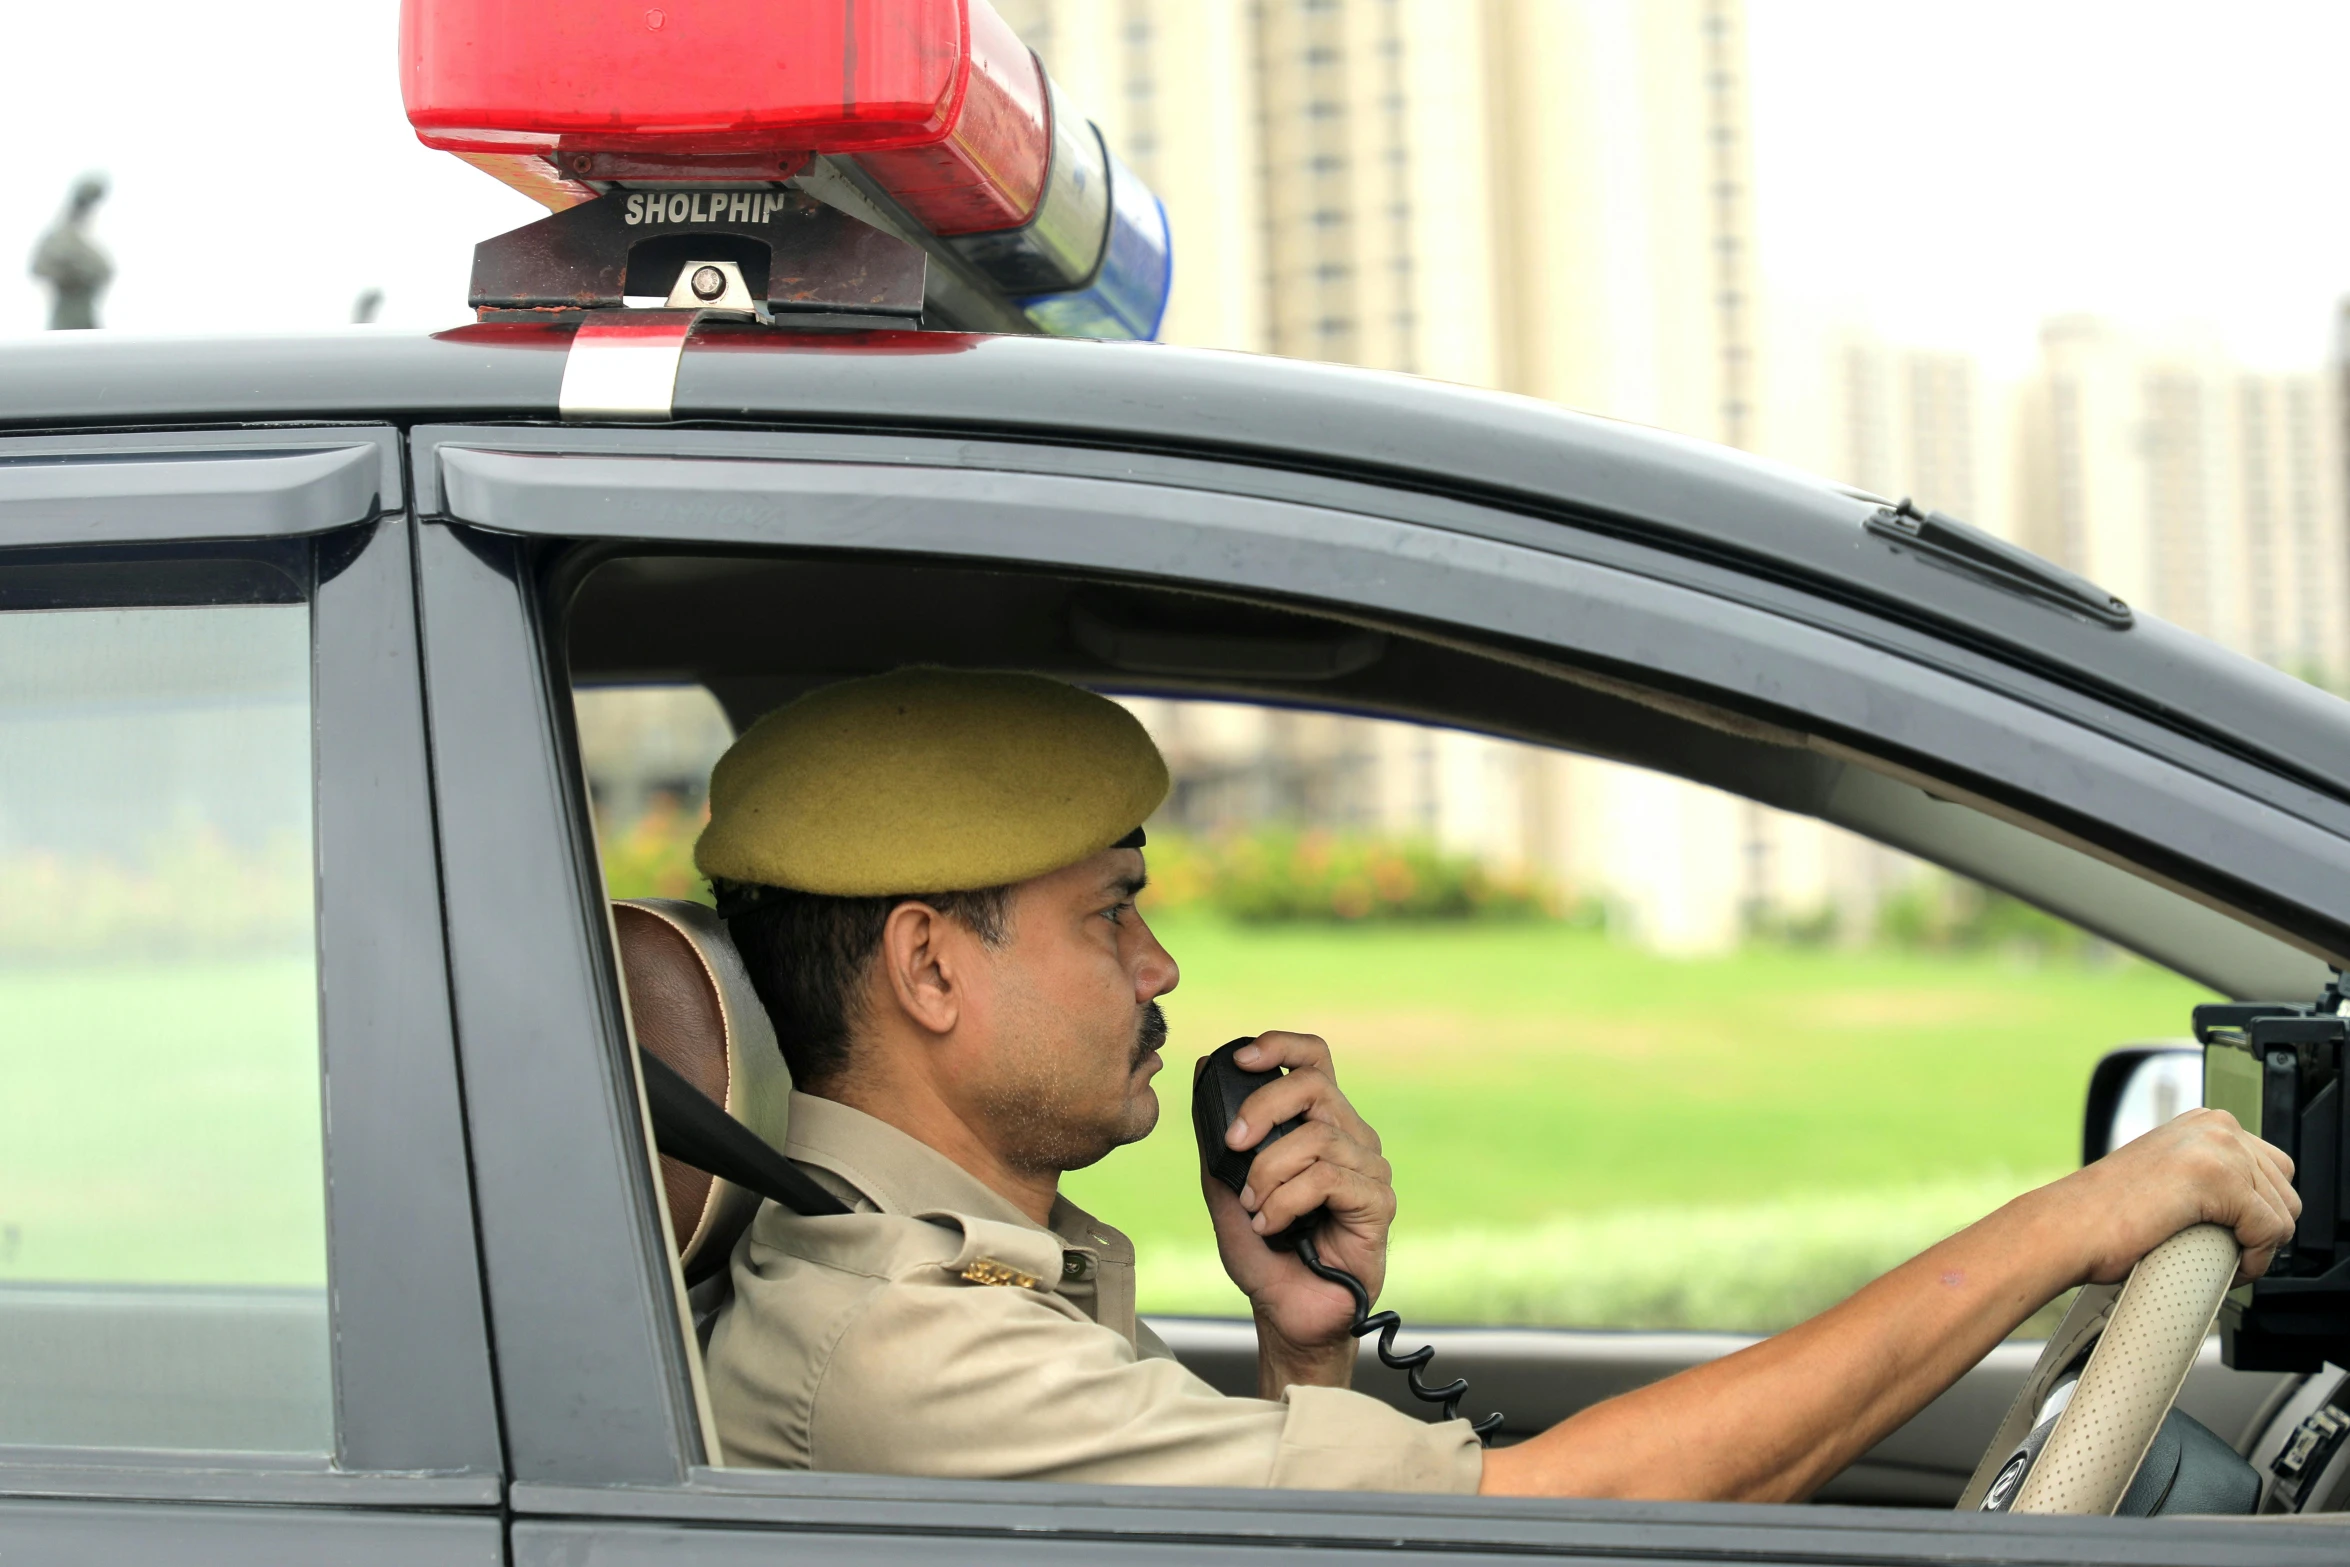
690 1128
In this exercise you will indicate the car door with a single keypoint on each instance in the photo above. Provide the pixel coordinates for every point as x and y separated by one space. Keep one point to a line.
612 1453
240 1312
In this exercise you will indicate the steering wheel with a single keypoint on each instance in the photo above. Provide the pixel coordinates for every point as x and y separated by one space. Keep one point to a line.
2076 1434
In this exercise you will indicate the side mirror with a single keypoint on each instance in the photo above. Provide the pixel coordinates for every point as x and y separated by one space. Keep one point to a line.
2134 1090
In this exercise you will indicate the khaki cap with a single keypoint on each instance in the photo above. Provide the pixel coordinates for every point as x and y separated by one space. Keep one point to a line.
928 780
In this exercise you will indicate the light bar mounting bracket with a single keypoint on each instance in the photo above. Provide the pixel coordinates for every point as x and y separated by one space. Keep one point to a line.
796 258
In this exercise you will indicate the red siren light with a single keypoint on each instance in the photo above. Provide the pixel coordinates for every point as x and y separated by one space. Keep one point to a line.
987 172
938 99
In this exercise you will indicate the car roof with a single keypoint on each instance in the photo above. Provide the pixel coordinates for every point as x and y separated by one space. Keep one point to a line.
1665 491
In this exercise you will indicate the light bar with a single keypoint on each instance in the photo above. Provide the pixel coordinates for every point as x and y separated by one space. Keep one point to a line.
686 77
937 101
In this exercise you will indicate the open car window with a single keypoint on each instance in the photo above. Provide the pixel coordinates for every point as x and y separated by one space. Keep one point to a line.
1650 1058
1588 1006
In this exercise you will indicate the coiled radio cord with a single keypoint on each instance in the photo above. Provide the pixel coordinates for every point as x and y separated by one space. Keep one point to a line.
1387 1324
1218 1090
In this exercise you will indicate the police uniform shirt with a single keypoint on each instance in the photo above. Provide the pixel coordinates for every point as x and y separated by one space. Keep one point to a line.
938 1331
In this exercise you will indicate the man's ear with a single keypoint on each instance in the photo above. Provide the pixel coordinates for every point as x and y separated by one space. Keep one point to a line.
919 967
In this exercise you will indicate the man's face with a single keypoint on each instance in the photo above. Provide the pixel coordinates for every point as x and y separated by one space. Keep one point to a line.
1070 1027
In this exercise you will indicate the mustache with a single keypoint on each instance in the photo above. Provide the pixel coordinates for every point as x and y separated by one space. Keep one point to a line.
1151 1033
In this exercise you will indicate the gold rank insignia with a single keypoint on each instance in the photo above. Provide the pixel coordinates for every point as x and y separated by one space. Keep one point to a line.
986 1270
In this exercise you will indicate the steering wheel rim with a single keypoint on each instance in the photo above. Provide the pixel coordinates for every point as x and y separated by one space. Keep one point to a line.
2145 1339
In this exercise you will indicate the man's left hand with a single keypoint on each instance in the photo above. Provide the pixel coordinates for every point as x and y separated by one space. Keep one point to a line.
1332 1161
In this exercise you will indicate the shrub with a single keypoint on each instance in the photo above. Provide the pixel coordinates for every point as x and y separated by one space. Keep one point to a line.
1952 914
188 894
1820 927
1261 877
653 856
1287 874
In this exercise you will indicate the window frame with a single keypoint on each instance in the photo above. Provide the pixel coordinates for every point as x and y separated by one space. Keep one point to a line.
499 549
414 1419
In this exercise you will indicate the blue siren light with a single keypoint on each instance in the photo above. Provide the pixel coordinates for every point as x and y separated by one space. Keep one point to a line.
1127 295
1096 259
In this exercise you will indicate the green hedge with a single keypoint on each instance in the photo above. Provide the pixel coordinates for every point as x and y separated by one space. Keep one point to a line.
1259 877
1316 875
1738 1268
653 856
1319 876
1944 913
188 894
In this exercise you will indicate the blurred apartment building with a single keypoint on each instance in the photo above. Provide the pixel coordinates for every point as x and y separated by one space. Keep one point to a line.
1549 197
2197 490
1546 196
1913 422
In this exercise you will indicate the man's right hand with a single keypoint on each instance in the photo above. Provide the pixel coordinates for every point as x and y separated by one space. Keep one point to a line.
1332 1162
2199 1168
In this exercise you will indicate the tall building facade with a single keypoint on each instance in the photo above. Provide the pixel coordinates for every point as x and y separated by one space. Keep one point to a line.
1914 422
2289 488
1545 196
2198 491
1621 213
1551 197
1170 84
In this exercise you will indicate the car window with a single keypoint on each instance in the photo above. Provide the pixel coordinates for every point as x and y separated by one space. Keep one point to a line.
1644 1055
647 751
162 1219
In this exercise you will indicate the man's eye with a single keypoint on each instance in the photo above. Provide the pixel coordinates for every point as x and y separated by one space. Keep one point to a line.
1116 913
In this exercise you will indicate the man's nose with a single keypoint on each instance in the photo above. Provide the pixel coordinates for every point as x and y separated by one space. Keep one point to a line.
1157 974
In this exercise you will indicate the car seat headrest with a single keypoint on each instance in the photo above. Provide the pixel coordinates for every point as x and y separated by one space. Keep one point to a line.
693 1006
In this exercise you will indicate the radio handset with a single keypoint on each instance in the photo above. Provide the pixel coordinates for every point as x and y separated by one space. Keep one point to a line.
1221 1087
1218 1090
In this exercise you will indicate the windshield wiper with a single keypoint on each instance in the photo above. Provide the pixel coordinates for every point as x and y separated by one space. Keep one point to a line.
1968 548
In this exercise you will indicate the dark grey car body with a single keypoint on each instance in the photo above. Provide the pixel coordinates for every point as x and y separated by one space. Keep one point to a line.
511 1378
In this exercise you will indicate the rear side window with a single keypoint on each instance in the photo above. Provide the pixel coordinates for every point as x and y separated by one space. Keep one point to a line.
162 1208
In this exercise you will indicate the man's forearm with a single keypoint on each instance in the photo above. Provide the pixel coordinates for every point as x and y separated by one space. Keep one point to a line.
1775 1421
1282 1365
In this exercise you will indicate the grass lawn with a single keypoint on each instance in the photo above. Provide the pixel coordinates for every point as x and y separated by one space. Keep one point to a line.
1584 1134
159 1124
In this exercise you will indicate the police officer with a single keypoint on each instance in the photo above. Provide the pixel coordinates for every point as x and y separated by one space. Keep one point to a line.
931 877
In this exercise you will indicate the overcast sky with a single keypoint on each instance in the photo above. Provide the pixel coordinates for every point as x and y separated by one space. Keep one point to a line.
1948 172
1955 172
